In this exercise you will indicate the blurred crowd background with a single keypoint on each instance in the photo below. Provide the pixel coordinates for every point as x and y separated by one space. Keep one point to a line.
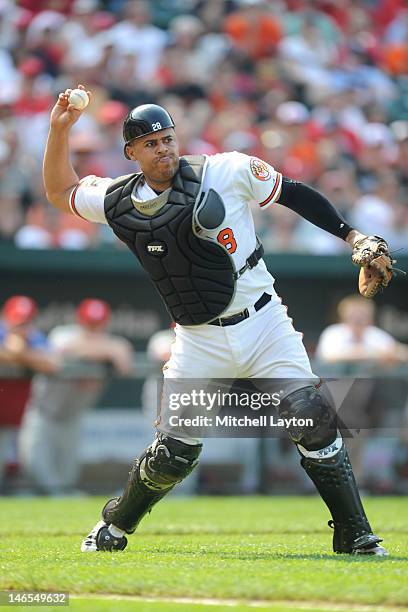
317 88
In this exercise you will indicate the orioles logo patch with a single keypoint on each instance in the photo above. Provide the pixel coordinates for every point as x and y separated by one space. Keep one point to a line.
259 169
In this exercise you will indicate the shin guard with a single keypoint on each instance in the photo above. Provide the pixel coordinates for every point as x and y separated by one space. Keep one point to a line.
333 477
164 464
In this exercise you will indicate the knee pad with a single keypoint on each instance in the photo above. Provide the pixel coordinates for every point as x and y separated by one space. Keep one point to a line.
310 403
167 461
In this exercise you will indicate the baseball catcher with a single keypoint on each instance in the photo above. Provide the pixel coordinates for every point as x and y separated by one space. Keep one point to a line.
188 221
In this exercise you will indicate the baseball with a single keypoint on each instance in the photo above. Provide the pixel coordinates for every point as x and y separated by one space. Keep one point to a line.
79 99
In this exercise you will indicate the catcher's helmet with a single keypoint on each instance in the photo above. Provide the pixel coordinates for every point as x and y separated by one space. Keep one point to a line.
145 119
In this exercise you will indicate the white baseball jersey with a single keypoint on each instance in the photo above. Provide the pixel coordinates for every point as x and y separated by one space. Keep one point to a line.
240 180
337 342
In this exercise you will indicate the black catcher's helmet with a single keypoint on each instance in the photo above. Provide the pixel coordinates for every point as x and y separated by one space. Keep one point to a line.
145 119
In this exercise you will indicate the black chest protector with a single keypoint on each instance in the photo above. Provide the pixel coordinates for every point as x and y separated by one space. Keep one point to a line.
194 276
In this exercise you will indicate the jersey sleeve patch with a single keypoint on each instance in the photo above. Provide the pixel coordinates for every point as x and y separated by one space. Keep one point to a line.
259 169
275 193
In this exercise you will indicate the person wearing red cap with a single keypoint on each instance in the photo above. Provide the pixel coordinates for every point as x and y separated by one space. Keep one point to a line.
24 346
21 343
50 433
93 312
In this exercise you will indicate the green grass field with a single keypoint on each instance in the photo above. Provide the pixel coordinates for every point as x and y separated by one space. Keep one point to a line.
205 553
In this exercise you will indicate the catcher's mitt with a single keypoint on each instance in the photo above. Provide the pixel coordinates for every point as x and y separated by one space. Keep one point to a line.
372 254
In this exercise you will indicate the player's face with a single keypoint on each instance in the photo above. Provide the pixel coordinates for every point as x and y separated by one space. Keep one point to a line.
158 156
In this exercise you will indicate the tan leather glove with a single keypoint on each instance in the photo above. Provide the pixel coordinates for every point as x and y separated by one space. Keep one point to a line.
372 254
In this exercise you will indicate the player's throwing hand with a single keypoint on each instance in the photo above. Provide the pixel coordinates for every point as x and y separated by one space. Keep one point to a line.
64 114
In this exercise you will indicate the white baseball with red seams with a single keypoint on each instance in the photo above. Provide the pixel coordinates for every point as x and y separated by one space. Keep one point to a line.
79 99
266 344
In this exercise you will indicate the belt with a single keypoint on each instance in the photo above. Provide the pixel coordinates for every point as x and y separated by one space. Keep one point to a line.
244 314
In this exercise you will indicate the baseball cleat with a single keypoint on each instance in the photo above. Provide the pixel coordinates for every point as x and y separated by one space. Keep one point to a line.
375 549
344 541
101 539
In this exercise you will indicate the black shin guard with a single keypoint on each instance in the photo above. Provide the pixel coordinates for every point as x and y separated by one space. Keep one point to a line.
165 463
326 462
334 480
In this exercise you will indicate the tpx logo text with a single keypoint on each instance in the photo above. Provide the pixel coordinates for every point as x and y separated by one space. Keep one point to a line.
156 248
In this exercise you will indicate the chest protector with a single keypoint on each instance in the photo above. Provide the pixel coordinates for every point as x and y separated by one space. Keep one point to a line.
194 276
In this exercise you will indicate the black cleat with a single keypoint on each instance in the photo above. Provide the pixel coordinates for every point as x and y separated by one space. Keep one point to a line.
344 541
101 539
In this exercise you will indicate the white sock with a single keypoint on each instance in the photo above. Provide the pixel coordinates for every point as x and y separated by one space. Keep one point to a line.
115 531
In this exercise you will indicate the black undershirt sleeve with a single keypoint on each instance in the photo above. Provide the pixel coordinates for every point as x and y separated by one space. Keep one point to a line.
313 206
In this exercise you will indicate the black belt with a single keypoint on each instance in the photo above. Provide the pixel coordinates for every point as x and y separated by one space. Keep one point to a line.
244 314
